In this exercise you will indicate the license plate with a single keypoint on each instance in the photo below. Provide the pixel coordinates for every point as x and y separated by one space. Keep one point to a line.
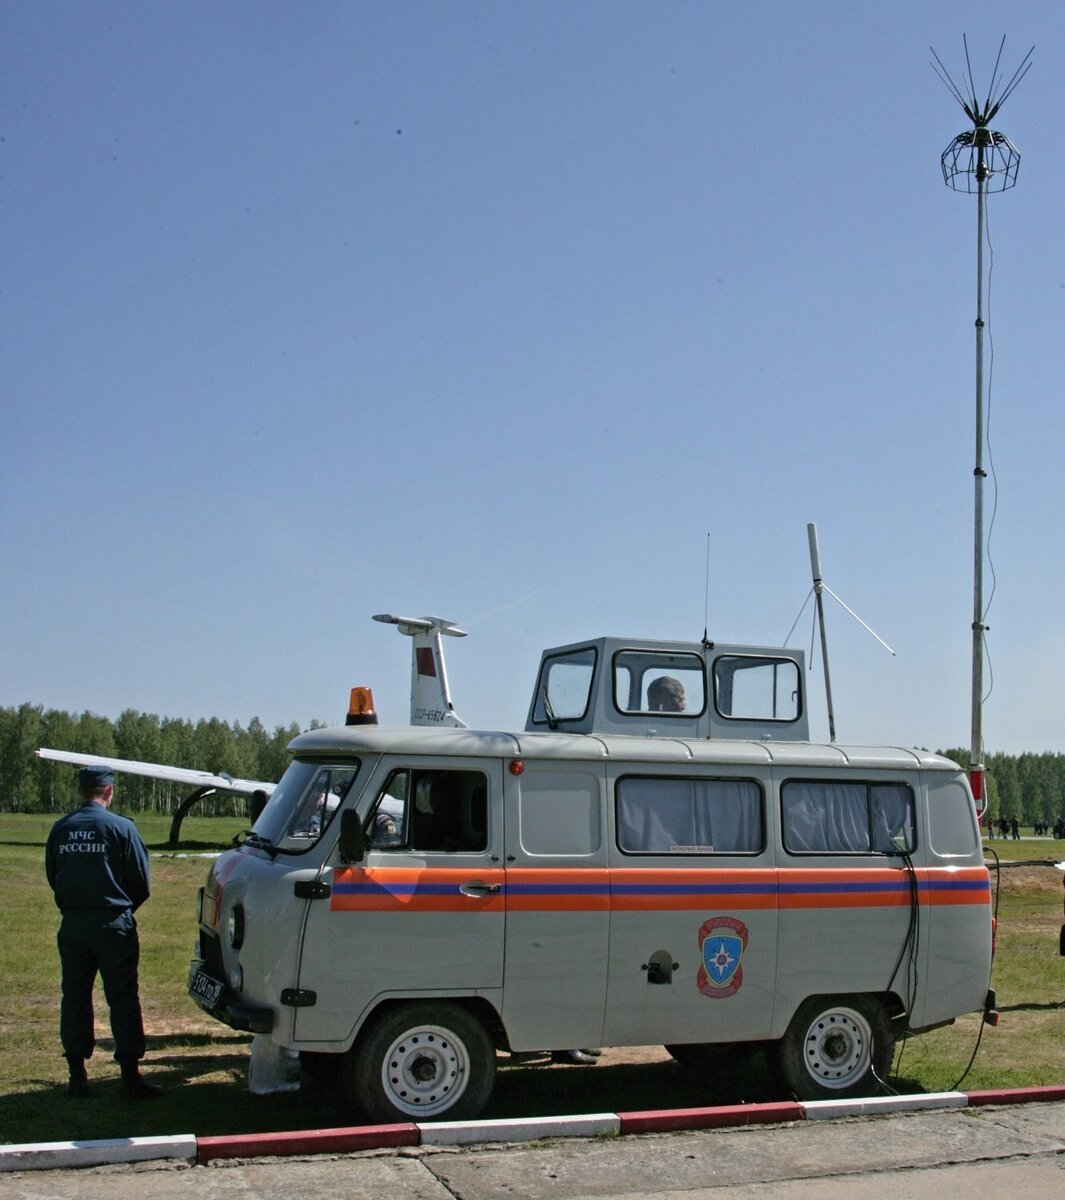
205 988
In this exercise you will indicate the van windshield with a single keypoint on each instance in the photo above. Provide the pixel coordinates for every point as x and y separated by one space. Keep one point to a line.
304 803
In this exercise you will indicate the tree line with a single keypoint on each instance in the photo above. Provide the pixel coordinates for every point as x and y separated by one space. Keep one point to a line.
1030 787
31 784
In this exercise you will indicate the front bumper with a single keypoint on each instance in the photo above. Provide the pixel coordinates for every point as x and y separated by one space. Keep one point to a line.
226 1007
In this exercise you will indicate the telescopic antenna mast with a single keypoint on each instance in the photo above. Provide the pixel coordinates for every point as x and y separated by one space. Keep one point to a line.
980 160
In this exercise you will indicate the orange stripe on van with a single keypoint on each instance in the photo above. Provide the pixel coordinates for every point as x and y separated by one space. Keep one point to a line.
558 889
627 889
414 889
955 885
636 890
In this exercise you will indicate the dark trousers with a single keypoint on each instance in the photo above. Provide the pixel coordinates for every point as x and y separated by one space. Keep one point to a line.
91 941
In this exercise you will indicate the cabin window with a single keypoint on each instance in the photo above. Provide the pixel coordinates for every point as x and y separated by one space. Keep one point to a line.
659 682
822 817
671 815
751 688
564 687
431 810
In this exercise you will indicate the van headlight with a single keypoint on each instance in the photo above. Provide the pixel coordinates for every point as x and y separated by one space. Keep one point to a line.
235 926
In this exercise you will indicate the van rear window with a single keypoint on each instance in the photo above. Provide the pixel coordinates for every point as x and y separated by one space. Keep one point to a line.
823 817
671 815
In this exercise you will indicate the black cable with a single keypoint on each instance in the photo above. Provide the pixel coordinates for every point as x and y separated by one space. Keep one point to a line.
980 1031
907 950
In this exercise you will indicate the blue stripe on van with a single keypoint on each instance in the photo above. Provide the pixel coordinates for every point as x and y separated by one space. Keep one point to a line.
557 889
694 889
398 889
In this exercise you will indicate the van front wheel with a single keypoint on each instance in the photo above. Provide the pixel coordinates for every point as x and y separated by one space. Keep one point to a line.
835 1049
419 1061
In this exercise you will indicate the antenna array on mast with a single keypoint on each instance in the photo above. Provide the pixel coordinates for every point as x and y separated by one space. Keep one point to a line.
981 158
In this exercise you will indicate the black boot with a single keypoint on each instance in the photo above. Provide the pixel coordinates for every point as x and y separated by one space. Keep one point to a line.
78 1087
134 1087
581 1058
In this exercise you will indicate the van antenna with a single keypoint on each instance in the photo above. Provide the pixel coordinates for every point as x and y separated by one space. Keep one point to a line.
980 160
819 587
707 643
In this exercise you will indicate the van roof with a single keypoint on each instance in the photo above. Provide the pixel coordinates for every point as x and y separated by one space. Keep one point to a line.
378 739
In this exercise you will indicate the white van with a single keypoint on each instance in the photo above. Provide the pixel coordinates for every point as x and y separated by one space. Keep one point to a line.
646 862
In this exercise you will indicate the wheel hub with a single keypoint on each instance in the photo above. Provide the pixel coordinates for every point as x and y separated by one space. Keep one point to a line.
425 1071
837 1048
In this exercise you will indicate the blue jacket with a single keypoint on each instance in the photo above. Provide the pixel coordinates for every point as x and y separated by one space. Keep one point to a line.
95 859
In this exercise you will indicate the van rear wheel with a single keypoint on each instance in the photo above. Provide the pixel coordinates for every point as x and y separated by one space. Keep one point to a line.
421 1060
835 1048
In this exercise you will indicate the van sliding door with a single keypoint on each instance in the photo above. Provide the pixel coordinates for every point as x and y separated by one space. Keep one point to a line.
693 917
557 906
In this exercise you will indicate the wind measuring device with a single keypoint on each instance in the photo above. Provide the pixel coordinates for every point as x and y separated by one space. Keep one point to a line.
981 160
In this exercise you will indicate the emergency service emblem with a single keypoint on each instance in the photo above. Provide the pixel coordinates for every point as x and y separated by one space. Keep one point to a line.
722 941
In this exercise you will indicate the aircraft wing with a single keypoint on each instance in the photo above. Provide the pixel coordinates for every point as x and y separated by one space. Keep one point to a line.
200 779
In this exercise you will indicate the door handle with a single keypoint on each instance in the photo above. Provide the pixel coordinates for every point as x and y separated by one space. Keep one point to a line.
476 887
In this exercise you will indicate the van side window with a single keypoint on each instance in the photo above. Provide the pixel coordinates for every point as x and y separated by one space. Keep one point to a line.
431 810
822 817
560 812
670 815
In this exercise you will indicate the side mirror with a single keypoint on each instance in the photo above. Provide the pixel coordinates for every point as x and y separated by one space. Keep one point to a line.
258 803
352 837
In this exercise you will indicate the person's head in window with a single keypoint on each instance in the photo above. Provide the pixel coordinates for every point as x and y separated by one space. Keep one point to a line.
665 694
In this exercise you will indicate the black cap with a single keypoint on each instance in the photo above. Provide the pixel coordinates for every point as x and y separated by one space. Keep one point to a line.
91 778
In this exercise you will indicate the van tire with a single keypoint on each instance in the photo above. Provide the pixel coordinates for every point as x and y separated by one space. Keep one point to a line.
835 1048
421 1060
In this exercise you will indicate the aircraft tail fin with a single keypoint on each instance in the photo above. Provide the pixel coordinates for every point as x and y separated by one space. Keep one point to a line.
430 695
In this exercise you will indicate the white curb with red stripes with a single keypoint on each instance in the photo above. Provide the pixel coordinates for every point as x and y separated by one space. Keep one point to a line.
189 1148
54 1155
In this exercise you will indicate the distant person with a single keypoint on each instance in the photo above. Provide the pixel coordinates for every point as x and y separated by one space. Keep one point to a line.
665 694
97 868
1015 829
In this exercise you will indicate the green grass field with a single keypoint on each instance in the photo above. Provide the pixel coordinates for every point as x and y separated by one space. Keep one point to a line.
203 1065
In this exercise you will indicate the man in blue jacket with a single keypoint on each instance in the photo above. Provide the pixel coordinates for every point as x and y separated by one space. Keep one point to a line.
97 867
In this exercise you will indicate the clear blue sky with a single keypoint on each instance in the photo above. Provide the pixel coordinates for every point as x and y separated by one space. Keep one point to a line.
505 312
